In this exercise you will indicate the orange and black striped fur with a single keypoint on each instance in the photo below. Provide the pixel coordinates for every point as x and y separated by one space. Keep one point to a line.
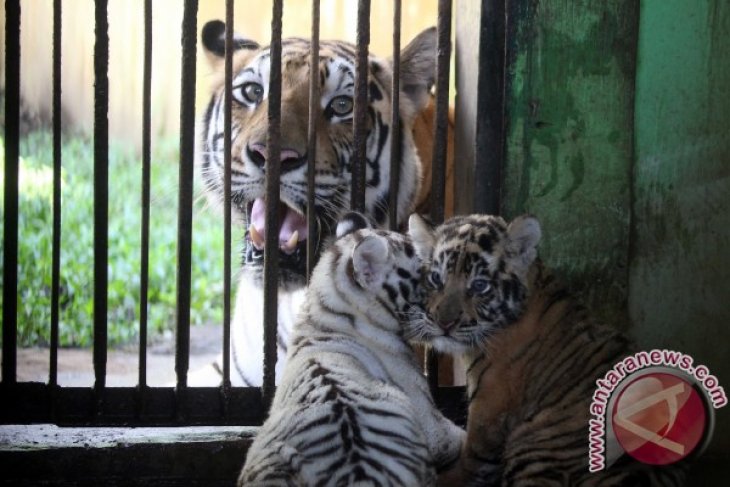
333 161
532 356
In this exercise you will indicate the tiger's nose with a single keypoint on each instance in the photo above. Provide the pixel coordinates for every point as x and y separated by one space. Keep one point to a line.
290 158
448 325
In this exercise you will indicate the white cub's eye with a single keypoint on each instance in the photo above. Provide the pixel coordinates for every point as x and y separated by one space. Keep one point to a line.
435 279
249 93
479 286
341 105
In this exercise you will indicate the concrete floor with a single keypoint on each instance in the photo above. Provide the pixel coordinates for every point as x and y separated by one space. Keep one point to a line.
76 369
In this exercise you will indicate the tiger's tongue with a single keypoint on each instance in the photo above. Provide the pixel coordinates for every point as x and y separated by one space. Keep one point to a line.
291 222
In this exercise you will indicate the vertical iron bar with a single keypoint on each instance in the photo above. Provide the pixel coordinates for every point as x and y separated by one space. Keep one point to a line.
395 141
101 196
271 248
438 186
10 223
56 252
185 199
227 121
359 165
490 128
146 175
314 110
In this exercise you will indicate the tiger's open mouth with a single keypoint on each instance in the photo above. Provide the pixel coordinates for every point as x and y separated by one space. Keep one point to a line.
293 236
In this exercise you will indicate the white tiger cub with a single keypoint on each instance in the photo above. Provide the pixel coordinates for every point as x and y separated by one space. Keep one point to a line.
352 406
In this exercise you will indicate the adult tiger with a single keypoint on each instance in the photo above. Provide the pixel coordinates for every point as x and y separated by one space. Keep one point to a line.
333 162
533 356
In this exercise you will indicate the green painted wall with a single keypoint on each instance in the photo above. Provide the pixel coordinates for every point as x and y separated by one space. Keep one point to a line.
680 258
570 143
618 139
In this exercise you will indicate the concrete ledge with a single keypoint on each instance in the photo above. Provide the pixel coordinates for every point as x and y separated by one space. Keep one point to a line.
52 455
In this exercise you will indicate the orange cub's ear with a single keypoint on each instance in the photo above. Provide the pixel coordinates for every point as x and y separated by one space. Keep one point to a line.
422 235
213 38
523 236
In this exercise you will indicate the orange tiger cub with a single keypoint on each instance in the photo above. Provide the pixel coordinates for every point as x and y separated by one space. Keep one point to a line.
532 357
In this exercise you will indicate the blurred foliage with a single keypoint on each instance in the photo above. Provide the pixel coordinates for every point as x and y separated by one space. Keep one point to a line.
124 233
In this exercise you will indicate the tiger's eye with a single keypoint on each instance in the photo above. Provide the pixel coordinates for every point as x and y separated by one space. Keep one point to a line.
480 286
435 279
341 105
253 93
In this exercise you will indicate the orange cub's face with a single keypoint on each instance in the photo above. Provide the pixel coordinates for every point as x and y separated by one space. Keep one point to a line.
476 278
334 142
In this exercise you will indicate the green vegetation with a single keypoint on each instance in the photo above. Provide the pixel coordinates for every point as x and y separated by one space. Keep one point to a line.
77 307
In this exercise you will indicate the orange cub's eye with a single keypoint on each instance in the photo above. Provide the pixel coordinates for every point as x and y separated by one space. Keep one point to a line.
480 286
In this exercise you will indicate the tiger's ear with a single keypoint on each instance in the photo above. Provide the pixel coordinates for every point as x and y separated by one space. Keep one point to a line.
422 235
352 222
523 235
213 37
369 260
418 68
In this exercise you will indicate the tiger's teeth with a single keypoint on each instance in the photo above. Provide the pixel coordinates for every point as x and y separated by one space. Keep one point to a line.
291 244
256 237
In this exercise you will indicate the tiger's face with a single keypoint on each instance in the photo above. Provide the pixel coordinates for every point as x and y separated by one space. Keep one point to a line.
334 139
475 273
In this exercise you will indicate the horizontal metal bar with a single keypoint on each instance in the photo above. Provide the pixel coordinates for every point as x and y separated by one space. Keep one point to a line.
27 403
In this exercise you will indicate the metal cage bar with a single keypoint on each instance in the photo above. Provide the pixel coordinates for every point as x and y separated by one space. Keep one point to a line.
359 163
441 128
10 223
271 247
101 197
312 231
146 174
227 121
56 237
143 405
395 142
185 198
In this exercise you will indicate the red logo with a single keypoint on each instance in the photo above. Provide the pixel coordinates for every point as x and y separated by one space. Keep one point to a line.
659 418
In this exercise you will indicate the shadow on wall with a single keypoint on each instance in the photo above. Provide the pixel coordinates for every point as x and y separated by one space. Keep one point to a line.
126 34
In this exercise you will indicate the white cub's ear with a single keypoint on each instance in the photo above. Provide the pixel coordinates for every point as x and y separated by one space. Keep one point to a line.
524 234
369 260
422 236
